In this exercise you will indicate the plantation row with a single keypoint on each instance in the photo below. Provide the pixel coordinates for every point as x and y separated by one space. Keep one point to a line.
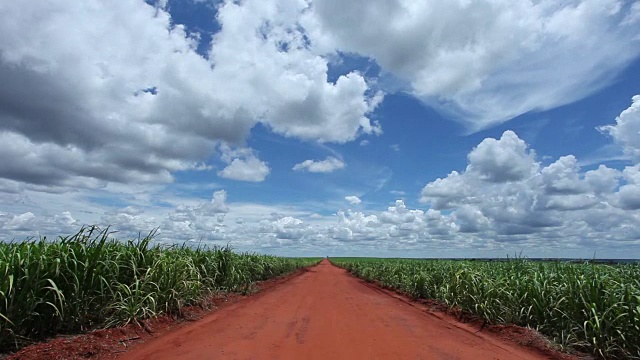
589 307
89 280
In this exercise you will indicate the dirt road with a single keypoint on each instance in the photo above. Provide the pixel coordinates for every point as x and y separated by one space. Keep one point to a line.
325 314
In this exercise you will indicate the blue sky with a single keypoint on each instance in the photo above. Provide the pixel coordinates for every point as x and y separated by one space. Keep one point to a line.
314 128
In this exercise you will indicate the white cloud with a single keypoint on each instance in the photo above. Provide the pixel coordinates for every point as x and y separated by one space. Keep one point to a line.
202 221
603 179
495 219
353 200
18 222
354 226
19 226
243 165
470 219
364 142
162 3
152 106
219 202
249 169
506 159
262 55
132 95
554 54
628 197
73 56
506 193
330 164
626 131
562 177
286 227
395 147
444 193
399 214
89 105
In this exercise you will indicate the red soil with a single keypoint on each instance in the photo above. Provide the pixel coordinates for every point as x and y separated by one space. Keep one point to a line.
321 313
109 343
327 314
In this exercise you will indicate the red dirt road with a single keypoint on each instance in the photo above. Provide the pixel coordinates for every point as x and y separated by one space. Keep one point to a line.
326 314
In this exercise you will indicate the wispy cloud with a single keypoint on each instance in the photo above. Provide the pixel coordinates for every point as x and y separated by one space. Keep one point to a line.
330 164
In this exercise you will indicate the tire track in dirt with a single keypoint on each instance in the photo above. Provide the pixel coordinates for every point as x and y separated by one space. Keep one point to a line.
326 313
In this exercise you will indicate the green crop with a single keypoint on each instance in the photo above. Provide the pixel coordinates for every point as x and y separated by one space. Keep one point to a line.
89 280
586 306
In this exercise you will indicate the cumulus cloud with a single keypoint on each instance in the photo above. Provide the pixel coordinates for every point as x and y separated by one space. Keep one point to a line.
295 98
286 227
628 197
72 56
626 131
354 226
219 202
484 207
134 96
328 165
90 102
202 221
505 191
470 219
27 224
555 53
243 165
443 193
397 224
353 200
17 222
506 159
248 169
496 218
